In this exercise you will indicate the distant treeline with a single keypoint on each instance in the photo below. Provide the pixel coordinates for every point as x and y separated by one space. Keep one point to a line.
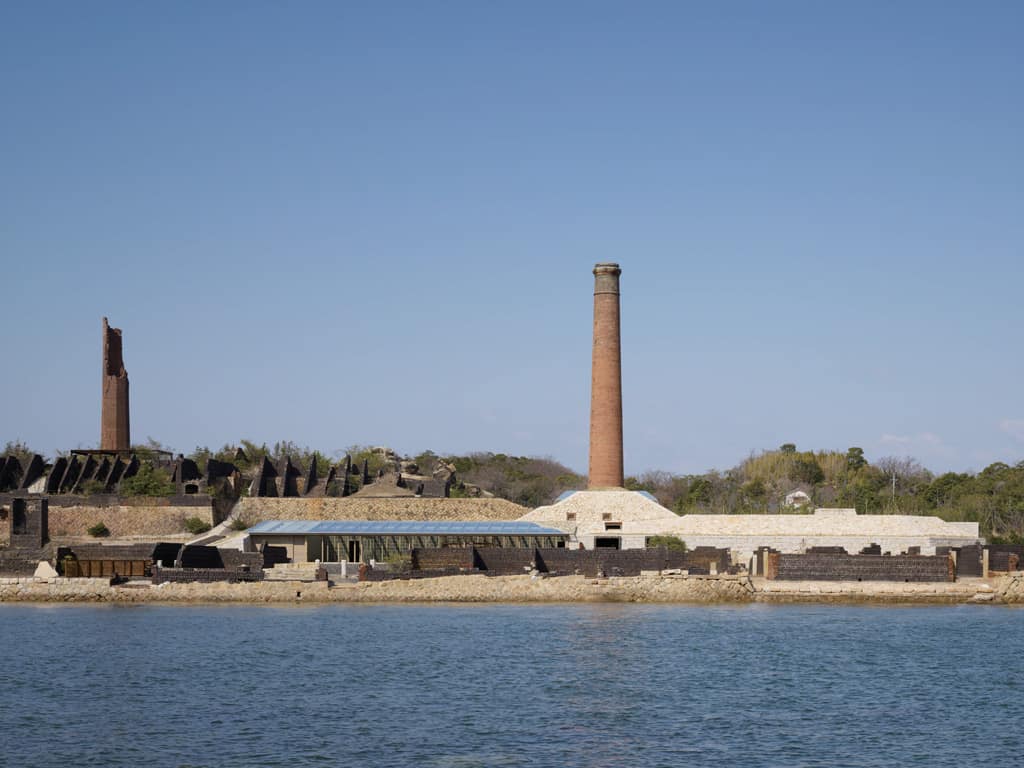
994 497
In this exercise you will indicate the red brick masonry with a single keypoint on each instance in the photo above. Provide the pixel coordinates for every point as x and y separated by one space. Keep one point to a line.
114 432
606 382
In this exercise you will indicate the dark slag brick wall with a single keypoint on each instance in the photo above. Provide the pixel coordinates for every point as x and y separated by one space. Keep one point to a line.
968 561
835 567
435 558
163 575
504 561
235 559
1005 557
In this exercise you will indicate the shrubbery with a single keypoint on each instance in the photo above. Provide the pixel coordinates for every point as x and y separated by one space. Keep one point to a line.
99 530
196 525
668 542
92 487
148 481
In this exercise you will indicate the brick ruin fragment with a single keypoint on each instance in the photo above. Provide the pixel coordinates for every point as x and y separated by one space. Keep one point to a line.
114 427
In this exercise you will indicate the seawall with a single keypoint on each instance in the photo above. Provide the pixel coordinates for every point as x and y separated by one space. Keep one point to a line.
523 589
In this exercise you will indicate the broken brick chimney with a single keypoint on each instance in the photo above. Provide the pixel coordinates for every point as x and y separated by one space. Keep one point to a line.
606 383
114 434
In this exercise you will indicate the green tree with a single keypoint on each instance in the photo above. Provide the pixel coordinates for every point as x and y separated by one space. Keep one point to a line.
700 491
151 449
196 525
148 481
668 542
855 459
19 450
808 471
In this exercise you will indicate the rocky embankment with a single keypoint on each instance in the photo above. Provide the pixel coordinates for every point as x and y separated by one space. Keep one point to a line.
965 591
523 589
461 589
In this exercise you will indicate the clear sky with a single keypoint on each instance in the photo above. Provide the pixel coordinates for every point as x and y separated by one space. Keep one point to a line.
344 223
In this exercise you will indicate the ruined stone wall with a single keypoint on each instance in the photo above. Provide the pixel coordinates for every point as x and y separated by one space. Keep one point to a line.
115 432
19 562
124 520
204 575
628 562
968 560
103 500
254 510
511 561
834 567
1005 557
440 558
504 561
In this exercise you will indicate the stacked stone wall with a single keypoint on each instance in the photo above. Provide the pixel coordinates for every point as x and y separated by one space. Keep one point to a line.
104 500
510 561
969 560
125 520
253 510
836 567
610 562
504 561
20 562
236 559
206 575
380 574
442 558
1005 557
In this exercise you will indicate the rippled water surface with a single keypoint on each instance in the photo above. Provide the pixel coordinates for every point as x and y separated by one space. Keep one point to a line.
596 685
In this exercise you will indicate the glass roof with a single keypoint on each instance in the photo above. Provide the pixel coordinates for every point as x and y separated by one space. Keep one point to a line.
402 528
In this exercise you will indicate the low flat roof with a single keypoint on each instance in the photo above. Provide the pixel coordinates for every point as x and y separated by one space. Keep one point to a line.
402 528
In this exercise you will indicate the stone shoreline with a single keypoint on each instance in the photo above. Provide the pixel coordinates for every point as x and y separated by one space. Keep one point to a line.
523 589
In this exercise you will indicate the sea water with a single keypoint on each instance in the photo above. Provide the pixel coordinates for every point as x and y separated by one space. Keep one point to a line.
501 685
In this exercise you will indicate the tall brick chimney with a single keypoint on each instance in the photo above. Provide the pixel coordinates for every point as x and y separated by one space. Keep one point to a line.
114 434
606 382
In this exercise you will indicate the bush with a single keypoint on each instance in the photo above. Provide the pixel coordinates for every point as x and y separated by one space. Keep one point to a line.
196 525
99 530
668 542
92 487
1015 539
238 524
148 481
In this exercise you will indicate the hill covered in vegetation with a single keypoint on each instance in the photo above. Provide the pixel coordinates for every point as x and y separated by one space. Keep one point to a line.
993 497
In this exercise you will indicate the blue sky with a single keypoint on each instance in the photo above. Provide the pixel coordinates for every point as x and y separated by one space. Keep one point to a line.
343 223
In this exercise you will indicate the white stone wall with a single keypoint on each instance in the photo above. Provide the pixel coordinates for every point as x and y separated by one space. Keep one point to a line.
584 515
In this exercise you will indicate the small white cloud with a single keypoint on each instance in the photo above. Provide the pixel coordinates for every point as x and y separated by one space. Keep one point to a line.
1014 428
